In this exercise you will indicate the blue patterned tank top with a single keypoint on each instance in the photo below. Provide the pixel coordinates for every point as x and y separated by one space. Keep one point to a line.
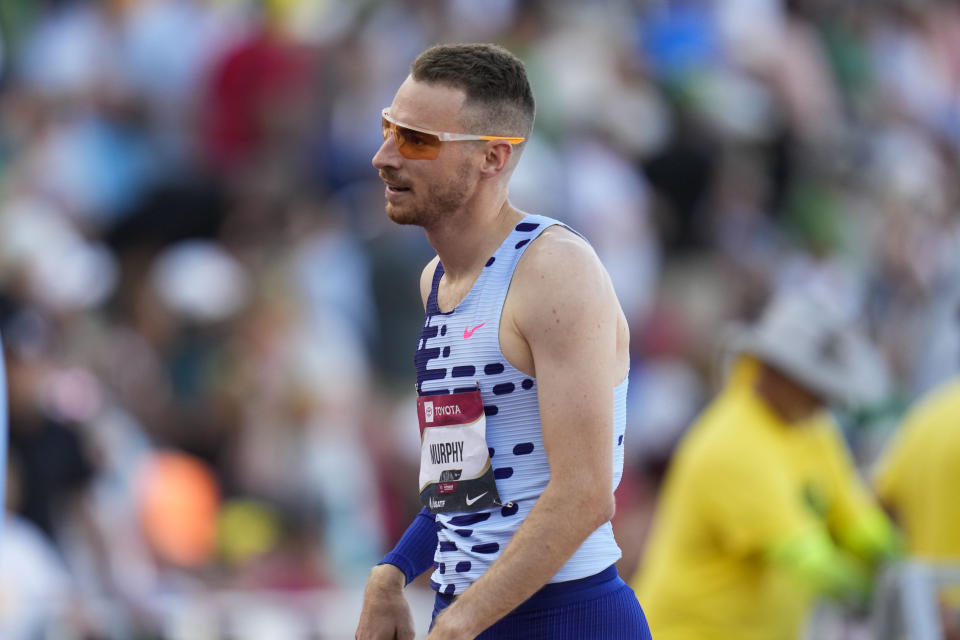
460 349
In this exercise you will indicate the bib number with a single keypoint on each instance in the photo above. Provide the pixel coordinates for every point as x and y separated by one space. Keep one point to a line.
455 470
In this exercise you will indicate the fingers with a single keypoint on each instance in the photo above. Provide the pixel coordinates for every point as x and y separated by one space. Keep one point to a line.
382 633
384 628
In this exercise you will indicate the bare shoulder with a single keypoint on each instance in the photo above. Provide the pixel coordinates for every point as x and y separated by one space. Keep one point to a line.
426 279
562 310
562 304
561 290
562 267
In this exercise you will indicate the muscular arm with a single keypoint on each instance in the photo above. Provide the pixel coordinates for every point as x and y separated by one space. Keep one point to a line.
568 315
414 552
385 614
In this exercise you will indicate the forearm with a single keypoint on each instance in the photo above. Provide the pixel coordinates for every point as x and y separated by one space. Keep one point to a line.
871 537
821 566
414 553
555 528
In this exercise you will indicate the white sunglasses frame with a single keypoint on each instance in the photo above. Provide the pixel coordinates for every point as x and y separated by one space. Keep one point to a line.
445 136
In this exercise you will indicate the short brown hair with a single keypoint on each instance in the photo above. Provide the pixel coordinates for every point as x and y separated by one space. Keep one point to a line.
494 80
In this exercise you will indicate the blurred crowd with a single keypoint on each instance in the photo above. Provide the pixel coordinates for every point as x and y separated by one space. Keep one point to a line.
208 321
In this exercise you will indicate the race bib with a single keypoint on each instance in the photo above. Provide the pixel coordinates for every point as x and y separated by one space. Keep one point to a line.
455 470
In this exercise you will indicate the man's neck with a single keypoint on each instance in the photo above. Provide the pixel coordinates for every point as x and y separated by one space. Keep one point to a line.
465 242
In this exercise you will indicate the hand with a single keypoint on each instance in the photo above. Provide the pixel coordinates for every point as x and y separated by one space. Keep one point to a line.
853 584
386 614
445 628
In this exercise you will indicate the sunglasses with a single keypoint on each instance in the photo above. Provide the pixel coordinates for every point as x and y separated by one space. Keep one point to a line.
423 144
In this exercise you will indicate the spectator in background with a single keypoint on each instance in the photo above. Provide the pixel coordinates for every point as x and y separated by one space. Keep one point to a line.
255 100
34 582
761 508
917 480
54 468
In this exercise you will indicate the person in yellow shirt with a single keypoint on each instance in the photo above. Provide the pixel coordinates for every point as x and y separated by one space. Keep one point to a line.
917 480
762 509
918 476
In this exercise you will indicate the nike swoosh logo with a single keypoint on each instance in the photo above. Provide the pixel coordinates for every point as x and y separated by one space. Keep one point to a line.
470 500
469 332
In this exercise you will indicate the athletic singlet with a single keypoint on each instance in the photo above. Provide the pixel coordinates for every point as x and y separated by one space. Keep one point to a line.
456 352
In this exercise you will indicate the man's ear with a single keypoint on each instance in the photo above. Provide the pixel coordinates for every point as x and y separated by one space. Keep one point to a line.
496 158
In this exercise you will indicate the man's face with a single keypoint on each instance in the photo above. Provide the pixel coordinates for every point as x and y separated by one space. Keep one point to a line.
420 191
792 400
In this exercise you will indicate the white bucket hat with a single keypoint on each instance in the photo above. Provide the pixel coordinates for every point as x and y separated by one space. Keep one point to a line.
813 344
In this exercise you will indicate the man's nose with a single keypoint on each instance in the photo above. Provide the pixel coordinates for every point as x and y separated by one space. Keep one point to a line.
387 155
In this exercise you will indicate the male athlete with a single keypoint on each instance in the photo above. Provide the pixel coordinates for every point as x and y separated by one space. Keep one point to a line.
521 374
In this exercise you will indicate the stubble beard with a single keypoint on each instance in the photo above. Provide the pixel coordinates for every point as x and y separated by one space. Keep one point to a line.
438 204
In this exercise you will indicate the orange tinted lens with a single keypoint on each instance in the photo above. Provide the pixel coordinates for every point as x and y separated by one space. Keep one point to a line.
417 145
412 144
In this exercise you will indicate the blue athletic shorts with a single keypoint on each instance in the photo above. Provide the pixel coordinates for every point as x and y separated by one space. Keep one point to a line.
598 607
